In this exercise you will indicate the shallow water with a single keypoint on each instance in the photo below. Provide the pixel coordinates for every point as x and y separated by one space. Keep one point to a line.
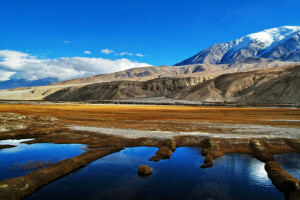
290 162
34 152
233 176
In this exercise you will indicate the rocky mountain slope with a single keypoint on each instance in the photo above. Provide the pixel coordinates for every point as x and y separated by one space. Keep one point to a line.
148 73
277 43
125 89
263 86
194 70
279 85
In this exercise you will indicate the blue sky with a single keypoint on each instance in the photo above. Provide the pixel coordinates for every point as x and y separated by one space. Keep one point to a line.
165 32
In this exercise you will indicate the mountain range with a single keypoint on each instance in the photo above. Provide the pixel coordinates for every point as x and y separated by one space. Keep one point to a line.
15 83
277 43
261 67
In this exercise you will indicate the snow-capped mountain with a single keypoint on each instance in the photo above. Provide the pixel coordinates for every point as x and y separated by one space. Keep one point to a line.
280 43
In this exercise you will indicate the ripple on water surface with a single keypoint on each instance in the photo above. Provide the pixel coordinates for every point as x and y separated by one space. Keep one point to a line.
233 176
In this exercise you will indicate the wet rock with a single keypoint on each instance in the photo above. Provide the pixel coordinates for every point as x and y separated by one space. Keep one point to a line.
145 170
265 157
164 152
208 159
260 151
204 152
171 144
207 165
208 162
206 143
294 144
155 158
282 179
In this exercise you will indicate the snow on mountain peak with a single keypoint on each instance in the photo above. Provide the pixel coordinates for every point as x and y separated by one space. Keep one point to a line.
263 40
280 43
272 35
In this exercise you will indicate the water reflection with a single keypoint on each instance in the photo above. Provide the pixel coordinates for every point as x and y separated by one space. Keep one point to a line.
34 152
290 162
233 176
14 142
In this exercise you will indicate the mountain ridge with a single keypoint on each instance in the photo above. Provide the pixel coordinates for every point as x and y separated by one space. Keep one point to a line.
16 83
274 43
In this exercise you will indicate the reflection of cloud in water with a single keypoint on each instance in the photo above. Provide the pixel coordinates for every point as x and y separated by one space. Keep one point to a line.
244 167
14 142
115 177
130 156
258 174
40 146
290 162
291 158
24 153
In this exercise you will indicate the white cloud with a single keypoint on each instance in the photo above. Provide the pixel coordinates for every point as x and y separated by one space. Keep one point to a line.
125 53
5 75
107 51
15 64
87 52
67 42
140 55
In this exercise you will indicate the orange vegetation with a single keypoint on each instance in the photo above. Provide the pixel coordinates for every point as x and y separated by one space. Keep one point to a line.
157 117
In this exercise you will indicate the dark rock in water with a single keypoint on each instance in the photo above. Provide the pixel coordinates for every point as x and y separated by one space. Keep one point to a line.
260 152
208 159
207 165
164 152
265 157
208 162
155 158
145 170
204 152
171 144
285 182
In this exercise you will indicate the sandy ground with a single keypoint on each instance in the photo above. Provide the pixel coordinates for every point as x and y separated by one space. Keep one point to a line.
32 93
250 131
